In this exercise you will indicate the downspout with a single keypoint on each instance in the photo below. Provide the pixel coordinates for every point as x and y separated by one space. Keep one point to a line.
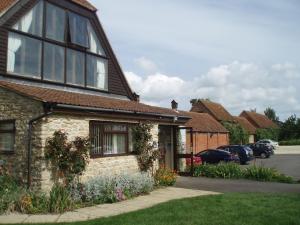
47 111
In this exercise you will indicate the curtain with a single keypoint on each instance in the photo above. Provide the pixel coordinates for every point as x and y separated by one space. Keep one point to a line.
101 74
95 45
14 43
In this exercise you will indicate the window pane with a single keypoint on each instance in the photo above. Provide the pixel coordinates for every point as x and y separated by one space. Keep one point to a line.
114 144
55 23
118 128
95 46
96 72
78 30
5 126
75 67
32 22
6 142
24 55
54 62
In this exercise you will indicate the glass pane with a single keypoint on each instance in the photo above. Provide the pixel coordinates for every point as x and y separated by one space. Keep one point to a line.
6 142
120 128
55 23
75 67
95 46
32 22
54 62
78 30
114 144
6 126
96 72
24 55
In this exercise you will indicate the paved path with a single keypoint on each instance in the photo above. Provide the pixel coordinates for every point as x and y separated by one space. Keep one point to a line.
224 186
288 150
106 210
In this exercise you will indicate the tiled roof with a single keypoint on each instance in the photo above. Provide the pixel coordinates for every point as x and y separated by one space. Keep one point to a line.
4 4
245 124
204 122
216 109
86 100
258 120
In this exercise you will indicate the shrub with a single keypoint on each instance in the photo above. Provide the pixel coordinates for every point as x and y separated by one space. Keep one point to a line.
60 199
237 134
104 189
290 142
32 203
267 133
165 177
222 170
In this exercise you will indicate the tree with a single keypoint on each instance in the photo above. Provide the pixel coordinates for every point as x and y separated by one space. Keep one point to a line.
237 134
271 114
290 129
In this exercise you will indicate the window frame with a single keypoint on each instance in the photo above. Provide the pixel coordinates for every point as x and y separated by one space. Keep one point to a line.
13 132
102 124
66 45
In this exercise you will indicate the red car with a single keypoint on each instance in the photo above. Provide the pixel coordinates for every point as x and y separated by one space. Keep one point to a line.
196 161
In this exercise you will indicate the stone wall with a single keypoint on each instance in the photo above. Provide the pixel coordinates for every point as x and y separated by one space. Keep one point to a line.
20 109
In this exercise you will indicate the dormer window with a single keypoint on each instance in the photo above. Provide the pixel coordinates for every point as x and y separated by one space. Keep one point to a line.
66 51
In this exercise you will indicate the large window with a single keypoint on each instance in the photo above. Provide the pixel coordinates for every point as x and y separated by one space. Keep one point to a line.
24 55
67 50
110 139
54 62
7 136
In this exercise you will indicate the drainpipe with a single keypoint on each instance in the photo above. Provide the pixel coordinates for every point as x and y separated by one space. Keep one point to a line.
47 112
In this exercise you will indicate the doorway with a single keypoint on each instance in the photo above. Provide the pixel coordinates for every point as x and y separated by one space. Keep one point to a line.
166 145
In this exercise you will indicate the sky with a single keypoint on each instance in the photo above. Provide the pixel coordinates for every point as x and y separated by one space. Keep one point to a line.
243 54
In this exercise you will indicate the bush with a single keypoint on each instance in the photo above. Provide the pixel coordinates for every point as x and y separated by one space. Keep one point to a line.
231 170
165 177
267 133
60 199
112 189
222 170
32 203
290 142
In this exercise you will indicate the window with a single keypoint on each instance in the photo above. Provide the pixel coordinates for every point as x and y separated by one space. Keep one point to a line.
96 72
110 139
55 23
32 22
75 67
7 136
24 55
54 62
78 30
95 46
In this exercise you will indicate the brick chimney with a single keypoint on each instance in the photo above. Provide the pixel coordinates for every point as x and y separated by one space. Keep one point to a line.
174 105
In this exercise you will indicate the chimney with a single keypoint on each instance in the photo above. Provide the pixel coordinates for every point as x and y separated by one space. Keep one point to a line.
136 97
174 105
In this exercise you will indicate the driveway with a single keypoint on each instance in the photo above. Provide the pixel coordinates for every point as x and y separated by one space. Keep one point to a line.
286 160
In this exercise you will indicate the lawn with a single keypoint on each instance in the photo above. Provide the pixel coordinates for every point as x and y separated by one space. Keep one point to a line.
229 209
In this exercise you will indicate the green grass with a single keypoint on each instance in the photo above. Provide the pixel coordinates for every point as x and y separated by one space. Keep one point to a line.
229 209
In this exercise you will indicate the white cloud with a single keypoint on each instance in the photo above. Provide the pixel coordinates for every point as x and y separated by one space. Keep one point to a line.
237 86
146 64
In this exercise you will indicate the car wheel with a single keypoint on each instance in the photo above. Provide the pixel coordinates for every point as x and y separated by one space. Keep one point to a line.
263 155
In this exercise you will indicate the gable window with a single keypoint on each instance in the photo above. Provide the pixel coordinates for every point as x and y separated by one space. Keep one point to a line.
7 136
32 22
78 30
75 67
96 72
24 55
57 45
110 139
55 23
54 62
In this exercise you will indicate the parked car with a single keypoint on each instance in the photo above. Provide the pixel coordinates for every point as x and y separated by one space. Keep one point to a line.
217 156
269 142
196 161
261 150
244 153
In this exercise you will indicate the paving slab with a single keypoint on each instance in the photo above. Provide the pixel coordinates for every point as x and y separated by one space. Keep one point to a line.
106 210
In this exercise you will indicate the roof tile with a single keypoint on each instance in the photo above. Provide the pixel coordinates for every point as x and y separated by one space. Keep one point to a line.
258 120
245 124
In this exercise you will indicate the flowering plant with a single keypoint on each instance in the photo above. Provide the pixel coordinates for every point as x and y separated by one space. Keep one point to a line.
165 176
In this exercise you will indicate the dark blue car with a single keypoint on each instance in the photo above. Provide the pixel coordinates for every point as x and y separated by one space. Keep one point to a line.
244 153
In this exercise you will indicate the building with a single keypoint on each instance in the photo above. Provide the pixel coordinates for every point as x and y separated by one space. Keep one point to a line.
58 71
251 130
216 110
259 121
207 133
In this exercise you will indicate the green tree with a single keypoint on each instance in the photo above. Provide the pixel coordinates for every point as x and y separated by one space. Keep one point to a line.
237 134
271 114
267 133
290 129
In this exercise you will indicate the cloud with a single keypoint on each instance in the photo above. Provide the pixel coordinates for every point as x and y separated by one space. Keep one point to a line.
238 86
146 64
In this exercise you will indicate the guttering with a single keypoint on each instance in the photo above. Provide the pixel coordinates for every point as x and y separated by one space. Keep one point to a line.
47 111
65 106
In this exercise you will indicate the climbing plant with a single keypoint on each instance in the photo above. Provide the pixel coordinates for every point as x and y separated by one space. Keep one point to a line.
67 159
144 147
